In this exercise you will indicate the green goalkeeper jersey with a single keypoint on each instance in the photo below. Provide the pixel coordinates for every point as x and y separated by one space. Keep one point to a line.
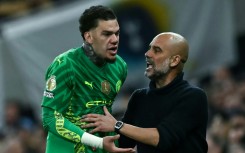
75 86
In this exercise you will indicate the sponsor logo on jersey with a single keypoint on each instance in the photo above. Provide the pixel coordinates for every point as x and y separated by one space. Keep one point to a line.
105 87
98 103
118 85
51 83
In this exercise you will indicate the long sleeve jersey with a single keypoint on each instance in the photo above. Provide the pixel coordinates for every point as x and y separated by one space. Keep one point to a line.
75 86
178 111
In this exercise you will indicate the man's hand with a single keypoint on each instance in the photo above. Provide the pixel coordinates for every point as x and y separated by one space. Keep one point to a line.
102 123
109 145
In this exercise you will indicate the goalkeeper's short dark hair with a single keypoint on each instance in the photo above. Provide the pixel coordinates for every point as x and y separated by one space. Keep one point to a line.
90 17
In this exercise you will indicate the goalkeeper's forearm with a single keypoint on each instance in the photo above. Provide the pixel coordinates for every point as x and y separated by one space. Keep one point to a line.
91 140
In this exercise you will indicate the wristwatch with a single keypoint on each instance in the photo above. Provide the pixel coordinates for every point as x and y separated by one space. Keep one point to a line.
118 126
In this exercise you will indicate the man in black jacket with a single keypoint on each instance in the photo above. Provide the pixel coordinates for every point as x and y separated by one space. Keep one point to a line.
170 115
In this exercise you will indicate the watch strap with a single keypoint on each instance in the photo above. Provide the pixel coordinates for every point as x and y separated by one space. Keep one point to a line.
118 126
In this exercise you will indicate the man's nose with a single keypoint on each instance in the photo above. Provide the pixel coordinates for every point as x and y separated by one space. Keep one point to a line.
114 38
147 53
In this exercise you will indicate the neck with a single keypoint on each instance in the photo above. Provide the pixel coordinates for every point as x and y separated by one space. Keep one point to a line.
90 53
165 80
161 82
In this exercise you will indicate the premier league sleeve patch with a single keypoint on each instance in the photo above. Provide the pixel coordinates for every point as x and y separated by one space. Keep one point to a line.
50 86
51 83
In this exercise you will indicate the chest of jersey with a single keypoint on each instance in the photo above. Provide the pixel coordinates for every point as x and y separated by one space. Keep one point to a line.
95 87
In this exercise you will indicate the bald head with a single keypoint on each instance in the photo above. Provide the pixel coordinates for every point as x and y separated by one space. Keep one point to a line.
165 57
175 43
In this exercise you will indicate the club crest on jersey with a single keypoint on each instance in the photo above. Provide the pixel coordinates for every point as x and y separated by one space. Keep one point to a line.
105 87
51 83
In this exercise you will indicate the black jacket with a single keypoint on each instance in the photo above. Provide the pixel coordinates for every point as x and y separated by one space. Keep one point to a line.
179 112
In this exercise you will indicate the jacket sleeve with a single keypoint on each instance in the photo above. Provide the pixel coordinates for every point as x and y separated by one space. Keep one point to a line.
124 141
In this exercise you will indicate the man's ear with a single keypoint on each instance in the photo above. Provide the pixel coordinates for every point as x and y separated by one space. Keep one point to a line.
88 38
175 60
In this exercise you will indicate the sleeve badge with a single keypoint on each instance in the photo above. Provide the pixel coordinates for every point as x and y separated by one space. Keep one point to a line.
51 83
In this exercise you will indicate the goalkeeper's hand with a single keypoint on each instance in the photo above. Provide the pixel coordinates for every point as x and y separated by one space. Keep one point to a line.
109 145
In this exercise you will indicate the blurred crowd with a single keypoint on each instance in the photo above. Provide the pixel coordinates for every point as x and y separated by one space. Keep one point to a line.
226 128
22 131
13 9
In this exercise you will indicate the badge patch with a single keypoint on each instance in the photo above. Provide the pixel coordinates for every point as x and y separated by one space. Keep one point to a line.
118 85
105 87
51 83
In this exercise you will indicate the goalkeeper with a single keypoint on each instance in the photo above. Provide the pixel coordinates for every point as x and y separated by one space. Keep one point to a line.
82 80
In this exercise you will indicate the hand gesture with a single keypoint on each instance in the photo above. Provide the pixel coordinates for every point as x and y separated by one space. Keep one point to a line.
101 123
109 145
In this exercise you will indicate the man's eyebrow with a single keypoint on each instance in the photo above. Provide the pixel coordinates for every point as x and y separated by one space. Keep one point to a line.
156 47
107 31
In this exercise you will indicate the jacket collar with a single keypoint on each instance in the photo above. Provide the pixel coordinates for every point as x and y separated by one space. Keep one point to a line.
168 87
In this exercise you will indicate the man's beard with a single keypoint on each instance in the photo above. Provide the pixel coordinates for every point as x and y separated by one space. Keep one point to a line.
159 72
